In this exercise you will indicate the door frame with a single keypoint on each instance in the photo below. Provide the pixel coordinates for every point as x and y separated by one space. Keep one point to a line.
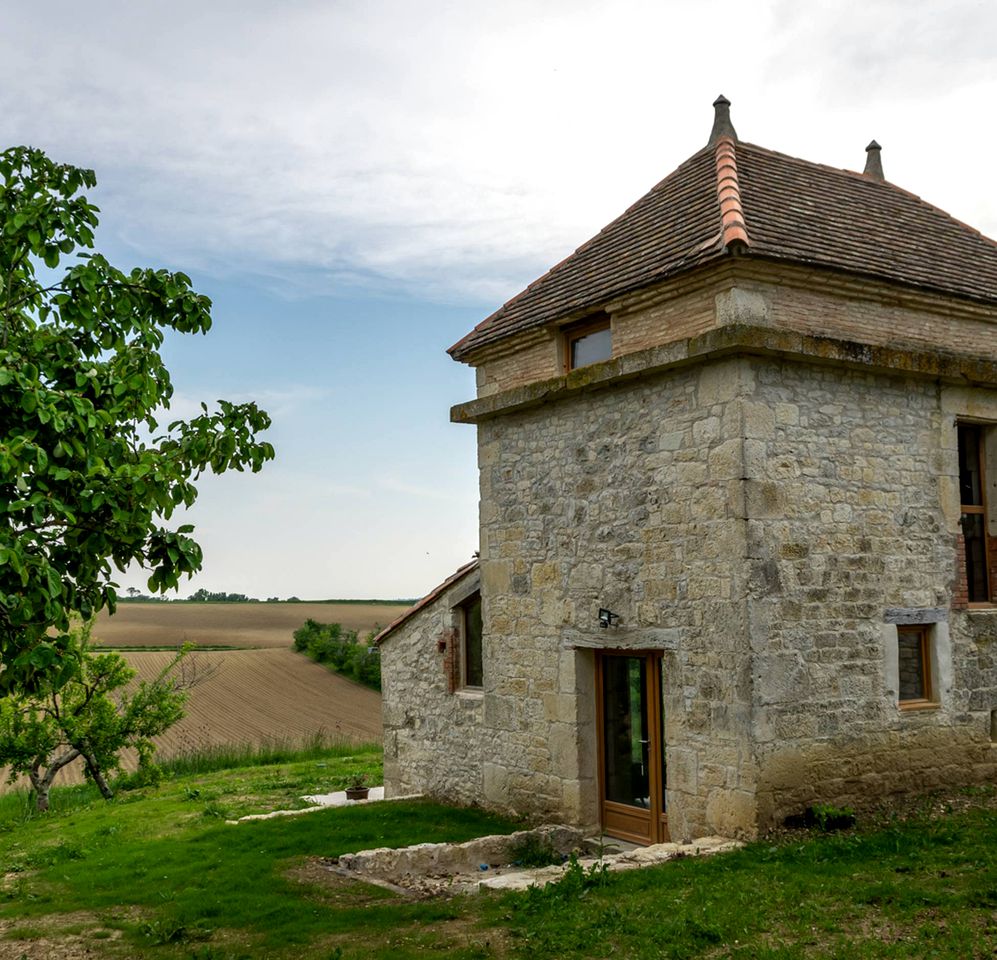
618 819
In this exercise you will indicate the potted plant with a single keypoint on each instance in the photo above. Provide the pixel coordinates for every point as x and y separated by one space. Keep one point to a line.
358 789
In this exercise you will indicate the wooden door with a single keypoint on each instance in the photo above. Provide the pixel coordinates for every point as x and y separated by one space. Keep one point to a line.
631 745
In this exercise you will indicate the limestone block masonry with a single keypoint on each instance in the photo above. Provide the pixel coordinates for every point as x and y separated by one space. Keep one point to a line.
767 513
434 737
627 499
762 504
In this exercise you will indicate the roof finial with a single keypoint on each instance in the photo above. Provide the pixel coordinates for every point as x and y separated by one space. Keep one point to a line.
873 161
722 127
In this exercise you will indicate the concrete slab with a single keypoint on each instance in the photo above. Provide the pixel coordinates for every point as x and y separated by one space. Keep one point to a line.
632 859
322 801
338 799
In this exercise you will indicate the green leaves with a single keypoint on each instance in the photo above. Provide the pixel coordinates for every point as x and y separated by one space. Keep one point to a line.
83 490
82 710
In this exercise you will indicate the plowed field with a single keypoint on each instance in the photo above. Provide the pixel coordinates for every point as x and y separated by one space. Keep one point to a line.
265 692
231 624
246 696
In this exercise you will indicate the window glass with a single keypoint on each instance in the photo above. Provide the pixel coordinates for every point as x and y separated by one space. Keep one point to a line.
473 672
913 663
974 510
591 347
976 557
970 485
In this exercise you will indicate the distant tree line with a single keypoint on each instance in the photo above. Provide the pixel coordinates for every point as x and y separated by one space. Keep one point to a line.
134 595
342 650
206 596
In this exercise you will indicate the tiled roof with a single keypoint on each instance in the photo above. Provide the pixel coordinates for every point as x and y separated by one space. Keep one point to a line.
456 576
734 195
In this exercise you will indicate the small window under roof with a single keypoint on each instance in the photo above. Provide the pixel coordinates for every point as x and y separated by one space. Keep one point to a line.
589 342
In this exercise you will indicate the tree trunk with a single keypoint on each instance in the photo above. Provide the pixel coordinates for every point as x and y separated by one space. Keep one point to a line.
42 785
41 790
93 768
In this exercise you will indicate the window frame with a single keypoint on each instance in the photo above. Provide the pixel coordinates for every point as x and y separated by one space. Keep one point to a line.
579 331
976 509
464 609
930 698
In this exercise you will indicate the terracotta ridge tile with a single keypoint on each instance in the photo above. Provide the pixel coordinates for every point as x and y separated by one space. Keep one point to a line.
733 227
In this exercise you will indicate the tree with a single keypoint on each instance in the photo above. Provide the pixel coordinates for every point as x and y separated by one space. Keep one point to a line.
88 717
88 477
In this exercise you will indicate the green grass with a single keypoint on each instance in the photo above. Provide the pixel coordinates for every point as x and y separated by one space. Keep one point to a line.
162 865
926 888
267 752
158 874
167 647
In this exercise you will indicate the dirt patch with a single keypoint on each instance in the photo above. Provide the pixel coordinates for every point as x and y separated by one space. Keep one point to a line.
459 932
251 696
69 936
259 625
334 888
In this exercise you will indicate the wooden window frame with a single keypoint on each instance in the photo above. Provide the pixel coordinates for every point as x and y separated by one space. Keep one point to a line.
464 609
584 328
618 819
930 699
978 509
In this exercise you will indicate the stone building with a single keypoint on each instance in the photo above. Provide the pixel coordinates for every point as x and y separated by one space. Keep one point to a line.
737 461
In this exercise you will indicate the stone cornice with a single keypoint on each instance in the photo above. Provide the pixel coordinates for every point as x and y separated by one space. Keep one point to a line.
734 340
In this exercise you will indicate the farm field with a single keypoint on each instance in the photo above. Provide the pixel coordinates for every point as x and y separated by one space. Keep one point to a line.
257 692
252 696
261 625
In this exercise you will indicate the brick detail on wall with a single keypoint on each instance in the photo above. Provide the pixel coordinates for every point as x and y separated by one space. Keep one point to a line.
448 644
960 592
960 595
991 557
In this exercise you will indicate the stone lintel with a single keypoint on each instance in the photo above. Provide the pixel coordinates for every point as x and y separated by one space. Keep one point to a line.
734 340
914 615
622 638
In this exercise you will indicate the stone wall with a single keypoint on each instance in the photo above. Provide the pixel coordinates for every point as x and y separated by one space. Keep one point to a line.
765 519
849 484
767 515
434 736
623 498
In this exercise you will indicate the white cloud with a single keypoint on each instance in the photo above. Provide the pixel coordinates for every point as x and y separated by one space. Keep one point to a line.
451 151
448 148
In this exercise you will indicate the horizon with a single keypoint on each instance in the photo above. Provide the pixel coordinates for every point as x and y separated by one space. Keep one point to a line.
356 186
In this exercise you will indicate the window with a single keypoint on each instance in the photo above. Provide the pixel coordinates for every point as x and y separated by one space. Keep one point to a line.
588 342
972 494
471 660
915 688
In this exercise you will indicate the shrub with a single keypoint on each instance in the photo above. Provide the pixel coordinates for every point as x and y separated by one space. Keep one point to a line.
341 650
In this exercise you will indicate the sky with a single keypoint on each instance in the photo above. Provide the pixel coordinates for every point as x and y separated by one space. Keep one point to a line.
357 184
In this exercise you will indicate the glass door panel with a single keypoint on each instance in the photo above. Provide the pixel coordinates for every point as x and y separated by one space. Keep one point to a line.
631 746
626 731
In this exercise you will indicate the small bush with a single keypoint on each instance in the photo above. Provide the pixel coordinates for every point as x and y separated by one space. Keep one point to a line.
216 810
573 885
342 650
173 930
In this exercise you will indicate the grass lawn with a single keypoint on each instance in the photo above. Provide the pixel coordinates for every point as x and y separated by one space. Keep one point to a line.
158 874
